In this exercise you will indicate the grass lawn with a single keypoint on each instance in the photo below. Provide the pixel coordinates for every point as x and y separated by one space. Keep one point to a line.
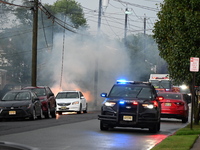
183 139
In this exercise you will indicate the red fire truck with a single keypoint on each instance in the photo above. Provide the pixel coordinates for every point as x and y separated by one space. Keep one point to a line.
161 82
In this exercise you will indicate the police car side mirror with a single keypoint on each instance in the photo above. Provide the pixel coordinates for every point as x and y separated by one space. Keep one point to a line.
103 95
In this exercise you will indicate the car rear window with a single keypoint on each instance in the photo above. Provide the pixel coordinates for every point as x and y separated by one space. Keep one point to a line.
171 96
39 91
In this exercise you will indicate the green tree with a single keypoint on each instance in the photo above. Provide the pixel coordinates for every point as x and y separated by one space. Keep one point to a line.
71 9
177 33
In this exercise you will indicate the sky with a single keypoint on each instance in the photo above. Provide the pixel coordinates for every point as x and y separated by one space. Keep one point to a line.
113 16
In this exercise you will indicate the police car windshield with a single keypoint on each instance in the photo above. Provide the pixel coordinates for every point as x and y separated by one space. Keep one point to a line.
127 91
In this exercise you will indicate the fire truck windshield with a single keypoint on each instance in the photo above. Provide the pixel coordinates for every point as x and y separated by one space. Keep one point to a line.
162 84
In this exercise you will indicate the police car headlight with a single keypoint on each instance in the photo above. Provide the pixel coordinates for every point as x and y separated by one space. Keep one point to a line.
111 104
150 106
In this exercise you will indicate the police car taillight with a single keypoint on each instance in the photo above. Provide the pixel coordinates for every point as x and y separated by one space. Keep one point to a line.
151 105
135 103
155 103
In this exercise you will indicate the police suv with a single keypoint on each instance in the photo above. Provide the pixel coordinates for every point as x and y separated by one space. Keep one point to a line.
131 104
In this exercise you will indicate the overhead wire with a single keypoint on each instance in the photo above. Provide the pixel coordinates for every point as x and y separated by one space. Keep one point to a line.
112 17
110 27
137 5
14 4
74 30
17 33
57 20
26 51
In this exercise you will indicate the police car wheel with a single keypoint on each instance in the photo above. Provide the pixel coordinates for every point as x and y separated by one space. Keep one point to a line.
103 126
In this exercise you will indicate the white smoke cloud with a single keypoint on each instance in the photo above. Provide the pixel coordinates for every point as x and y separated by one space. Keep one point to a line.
82 56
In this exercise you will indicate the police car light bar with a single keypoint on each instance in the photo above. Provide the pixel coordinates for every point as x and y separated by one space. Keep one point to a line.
124 82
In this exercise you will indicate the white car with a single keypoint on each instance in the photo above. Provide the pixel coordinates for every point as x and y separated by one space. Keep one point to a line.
71 101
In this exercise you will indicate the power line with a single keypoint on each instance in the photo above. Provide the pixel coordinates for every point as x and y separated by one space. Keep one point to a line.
110 27
23 32
56 20
14 4
137 5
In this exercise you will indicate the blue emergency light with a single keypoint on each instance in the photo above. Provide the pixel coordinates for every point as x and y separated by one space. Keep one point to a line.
124 81
121 102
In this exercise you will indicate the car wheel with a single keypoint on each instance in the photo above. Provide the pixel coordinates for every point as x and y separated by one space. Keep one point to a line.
103 127
155 128
33 117
80 109
184 120
48 113
85 111
41 114
158 127
53 113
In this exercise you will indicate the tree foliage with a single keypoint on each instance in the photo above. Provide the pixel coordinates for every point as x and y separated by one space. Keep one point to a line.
177 33
71 9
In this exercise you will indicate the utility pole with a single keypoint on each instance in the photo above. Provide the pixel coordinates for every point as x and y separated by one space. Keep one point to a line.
34 44
125 28
99 17
144 47
145 25
96 60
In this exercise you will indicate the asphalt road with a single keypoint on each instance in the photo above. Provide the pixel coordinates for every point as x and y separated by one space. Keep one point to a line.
18 126
81 132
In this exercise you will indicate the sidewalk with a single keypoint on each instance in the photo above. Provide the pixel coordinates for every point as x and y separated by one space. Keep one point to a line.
196 145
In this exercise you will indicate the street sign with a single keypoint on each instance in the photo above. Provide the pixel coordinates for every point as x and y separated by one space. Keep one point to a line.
194 64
